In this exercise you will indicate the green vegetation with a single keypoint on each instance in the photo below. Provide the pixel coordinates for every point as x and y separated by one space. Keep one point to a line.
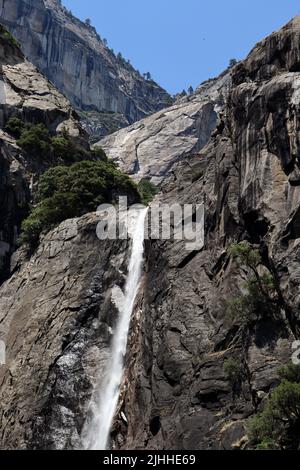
65 150
37 142
8 37
260 300
234 371
71 191
291 373
35 139
99 154
257 303
110 120
147 191
278 425
80 181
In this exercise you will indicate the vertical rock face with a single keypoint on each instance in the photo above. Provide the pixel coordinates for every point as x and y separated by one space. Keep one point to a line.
57 309
178 395
151 147
108 90
26 94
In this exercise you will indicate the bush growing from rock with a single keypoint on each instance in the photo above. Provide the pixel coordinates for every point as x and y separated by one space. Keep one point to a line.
291 373
37 142
246 255
71 191
258 303
63 149
8 37
35 139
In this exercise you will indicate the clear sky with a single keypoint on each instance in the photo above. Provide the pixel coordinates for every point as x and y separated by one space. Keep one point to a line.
184 42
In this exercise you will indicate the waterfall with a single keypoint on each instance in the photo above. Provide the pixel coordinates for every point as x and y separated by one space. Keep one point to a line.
106 400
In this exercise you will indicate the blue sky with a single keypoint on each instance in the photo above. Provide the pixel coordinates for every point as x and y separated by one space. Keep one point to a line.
184 42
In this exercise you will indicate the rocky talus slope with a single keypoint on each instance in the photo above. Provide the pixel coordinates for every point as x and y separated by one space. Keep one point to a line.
178 396
151 147
57 309
108 90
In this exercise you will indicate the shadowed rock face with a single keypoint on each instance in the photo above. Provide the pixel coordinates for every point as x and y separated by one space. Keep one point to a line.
75 59
150 148
177 395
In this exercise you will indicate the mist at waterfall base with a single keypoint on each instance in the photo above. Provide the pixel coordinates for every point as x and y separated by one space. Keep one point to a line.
106 398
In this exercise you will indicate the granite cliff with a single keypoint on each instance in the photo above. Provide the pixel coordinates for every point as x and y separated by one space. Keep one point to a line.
26 94
151 147
177 393
105 88
79 276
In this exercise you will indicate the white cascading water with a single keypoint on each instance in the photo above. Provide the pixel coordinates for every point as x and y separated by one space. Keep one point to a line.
105 403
